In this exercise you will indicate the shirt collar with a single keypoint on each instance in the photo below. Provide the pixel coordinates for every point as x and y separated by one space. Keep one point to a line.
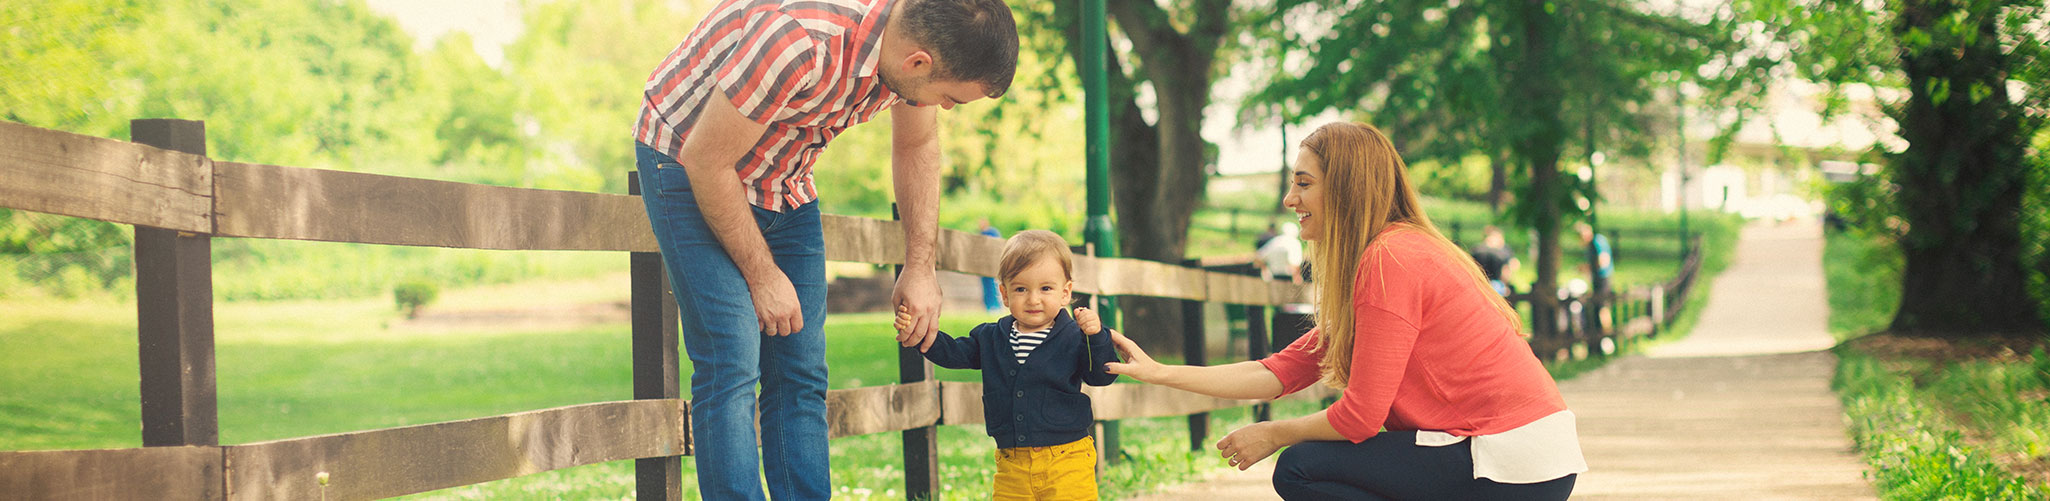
872 24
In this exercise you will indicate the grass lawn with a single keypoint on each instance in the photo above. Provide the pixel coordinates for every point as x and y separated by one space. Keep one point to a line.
1936 419
291 369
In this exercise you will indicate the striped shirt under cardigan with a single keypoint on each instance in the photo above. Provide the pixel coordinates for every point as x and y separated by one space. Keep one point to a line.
806 68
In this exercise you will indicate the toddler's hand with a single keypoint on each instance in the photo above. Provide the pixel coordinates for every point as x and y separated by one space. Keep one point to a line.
904 318
1087 319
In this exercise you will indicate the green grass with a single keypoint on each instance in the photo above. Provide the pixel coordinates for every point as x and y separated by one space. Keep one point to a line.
1931 427
1864 277
1918 439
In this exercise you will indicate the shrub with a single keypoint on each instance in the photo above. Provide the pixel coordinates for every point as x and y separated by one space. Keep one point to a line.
411 295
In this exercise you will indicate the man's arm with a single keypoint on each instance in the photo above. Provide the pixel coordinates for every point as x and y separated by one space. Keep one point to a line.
915 172
721 137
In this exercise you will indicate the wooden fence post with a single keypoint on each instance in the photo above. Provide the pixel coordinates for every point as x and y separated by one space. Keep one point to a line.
174 313
655 369
921 445
1256 348
1194 353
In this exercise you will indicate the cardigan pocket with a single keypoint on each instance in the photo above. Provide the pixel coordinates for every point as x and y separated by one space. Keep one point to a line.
1065 410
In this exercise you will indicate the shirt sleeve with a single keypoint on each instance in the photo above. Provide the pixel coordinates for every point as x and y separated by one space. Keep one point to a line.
776 61
1296 366
1382 343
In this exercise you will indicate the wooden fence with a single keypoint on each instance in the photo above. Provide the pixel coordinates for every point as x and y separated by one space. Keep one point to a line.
178 200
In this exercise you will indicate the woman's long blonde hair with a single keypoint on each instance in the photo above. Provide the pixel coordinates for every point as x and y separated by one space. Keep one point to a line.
1366 192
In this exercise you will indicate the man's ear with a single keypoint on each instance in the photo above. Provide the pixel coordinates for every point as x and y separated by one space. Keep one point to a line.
919 63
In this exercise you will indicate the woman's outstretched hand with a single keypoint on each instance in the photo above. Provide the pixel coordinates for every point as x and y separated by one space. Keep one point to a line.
1136 365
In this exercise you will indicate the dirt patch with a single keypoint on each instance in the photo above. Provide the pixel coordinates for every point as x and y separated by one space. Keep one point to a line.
1945 351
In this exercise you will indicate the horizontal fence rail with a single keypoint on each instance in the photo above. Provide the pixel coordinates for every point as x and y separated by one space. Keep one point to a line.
189 198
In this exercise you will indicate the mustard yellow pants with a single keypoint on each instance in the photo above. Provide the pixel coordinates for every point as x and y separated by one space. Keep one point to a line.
1058 472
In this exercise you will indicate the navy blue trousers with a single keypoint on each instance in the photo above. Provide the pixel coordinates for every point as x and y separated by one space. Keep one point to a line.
1392 466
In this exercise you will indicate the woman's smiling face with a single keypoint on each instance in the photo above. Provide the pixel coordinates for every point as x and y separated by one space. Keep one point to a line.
1306 193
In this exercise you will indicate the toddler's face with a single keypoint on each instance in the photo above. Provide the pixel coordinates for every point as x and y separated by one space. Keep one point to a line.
1037 295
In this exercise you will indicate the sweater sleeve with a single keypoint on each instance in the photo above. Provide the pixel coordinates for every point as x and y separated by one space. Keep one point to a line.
1101 352
1382 343
1387 301
956 353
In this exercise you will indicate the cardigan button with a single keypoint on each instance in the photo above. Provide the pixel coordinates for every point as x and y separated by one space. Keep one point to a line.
1020 394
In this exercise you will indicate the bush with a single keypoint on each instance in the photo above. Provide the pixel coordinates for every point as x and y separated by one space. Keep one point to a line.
411 295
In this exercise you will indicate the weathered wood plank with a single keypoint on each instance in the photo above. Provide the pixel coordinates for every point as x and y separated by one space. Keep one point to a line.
56 172
398 461
877 409
145 473
961 402
1138 277
862 240
1236 289
267 201
970 253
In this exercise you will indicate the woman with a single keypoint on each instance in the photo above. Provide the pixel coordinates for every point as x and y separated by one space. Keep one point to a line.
1416 339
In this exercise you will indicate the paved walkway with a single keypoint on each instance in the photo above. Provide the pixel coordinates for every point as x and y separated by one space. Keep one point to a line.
1741 409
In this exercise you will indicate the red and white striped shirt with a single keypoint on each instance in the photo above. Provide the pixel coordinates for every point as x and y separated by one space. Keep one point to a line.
807 68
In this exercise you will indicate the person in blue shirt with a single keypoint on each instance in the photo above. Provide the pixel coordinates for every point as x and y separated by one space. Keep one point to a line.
990 300
1600 266
1034 363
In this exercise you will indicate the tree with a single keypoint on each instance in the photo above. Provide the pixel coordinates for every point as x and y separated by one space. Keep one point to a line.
1157 166
1514 81
1974 75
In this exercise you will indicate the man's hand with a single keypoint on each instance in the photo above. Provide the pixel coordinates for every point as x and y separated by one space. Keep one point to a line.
1253 443
776 304
1086 318
1136 365
918 295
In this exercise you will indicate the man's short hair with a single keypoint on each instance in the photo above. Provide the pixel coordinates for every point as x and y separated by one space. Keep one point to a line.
973 40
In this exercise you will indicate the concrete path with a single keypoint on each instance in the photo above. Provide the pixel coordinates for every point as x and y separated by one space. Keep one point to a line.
1740 409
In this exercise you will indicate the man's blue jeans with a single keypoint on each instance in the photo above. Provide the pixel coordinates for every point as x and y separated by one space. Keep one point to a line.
729 354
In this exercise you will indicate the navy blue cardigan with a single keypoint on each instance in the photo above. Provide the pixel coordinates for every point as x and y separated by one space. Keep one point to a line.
1040 402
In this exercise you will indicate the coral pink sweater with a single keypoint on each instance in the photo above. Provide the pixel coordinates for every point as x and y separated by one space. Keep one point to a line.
1430 352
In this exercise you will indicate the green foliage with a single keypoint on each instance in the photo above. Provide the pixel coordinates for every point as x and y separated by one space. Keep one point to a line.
411 295
1967 189
1864 276
1917 450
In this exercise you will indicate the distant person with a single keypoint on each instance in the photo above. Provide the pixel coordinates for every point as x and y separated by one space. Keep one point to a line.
1034 363
731 123
1442 398
1600 263
1496 259
1282 257
1261 241
990 300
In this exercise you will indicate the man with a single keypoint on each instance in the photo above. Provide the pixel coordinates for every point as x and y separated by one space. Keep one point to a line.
731 123
1281 257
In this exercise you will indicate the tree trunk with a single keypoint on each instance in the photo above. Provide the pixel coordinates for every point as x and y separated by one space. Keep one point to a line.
1535 99
1498 182
1960 183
